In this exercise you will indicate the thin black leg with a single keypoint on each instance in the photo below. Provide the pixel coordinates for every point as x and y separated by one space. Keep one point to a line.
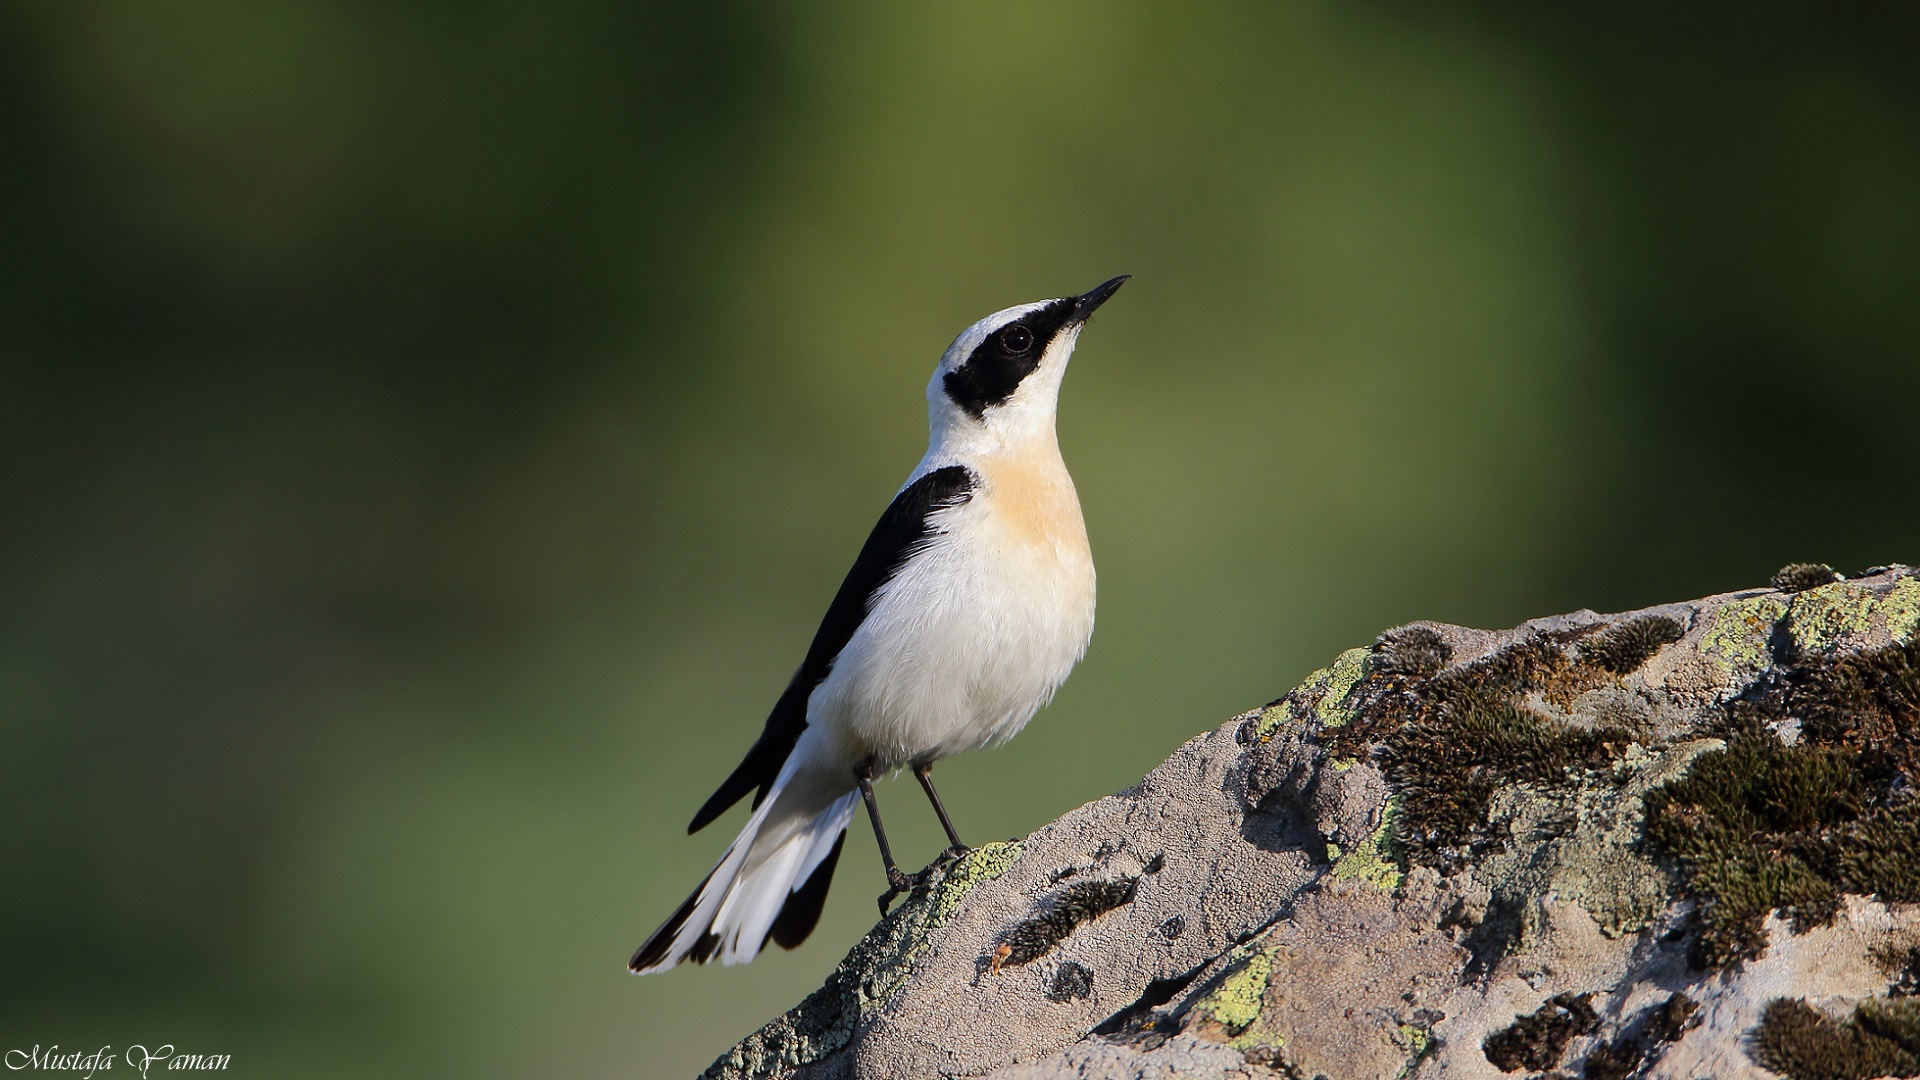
897 882
924 773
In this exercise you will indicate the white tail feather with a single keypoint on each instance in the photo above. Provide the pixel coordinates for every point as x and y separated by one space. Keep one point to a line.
729 918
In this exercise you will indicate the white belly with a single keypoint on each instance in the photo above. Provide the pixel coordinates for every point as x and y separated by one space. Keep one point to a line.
969 640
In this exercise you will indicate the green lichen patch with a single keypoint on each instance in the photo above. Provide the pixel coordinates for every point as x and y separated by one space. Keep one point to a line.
1581 842
1270 719
869 975
1347 670
1881 1038
1231 1007
981 864
1321 697
1900 607
1536 1042
1738 637
1843 613
1770 824
1420 1044
1380 859
1823 617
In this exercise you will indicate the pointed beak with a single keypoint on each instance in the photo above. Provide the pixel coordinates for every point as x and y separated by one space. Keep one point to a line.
1085 303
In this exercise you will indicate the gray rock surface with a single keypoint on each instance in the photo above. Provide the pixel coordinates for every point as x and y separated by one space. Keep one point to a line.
1433 858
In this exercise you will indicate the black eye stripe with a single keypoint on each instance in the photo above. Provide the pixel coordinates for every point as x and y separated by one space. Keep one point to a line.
996 367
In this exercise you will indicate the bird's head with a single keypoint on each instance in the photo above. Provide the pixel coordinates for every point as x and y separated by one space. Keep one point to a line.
1001 377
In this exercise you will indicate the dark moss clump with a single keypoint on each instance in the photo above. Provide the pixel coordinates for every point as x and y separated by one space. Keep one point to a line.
1058 916
1801 576
1537 1041
1071 982
1626 646
1413 650
1764 825
1881 1038
1746 822
1643 1040
1450 761
1448 739
1903 970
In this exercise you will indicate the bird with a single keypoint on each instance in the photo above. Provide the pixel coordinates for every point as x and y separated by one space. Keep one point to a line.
968 605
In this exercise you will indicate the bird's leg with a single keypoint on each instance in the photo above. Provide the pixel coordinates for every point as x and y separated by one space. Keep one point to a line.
924 773
897 882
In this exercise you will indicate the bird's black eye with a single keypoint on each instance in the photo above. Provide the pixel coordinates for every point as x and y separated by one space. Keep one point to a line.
1016 338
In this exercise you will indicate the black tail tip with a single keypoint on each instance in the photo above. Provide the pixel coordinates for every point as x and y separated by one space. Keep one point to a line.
647 957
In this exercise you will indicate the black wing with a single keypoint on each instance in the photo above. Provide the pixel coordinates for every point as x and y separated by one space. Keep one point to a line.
902 530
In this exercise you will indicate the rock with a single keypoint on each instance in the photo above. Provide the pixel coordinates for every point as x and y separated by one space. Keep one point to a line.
1679 842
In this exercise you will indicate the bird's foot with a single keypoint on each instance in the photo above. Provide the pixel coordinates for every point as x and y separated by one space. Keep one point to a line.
897 883
900 882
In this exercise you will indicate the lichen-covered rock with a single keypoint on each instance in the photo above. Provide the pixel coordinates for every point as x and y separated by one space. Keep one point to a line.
1675 843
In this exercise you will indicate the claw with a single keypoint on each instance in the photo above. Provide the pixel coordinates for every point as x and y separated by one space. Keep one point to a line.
897 883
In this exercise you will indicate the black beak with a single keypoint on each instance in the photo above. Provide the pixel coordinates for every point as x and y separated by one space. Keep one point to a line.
1085 303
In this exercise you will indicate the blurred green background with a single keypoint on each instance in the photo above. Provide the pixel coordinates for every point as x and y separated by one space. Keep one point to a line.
430 433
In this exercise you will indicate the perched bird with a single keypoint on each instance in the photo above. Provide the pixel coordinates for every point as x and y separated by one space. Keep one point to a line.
967 606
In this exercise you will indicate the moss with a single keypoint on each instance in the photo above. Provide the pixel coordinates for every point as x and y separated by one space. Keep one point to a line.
1902 967
1537 1041
1056 917
1071 982
1485 776
1757 825
1627 646
1643 1040
1800 576
1412 650
1380 859
872 971
1449 740
1451 760
1735 821
1763 826
1738 637
1232 1005
1881 1038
